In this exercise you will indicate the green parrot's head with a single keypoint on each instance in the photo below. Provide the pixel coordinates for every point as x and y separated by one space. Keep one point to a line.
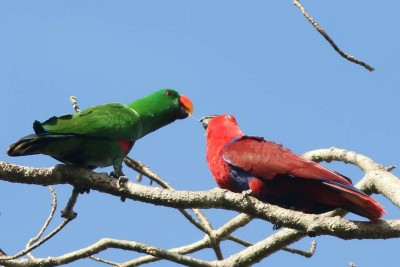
169 100
165 104
161 108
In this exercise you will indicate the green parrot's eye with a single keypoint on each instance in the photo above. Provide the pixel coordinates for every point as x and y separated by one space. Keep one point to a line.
168 93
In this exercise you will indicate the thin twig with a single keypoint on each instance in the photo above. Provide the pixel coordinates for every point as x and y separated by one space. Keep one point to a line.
37 244
239 241
331 42
204 225
237 222
46 223
306 253
74 103
108 243
390 168
196 246
104 261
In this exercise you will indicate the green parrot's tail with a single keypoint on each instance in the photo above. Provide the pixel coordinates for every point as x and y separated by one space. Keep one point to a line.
32 144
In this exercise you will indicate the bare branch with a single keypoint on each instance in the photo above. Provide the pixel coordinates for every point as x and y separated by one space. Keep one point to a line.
74 103
262 249
204 224
329 39
216 198
105 244
308 254
232 225
46 223
103 261
377 179
68 212
32 247
391 168
196 246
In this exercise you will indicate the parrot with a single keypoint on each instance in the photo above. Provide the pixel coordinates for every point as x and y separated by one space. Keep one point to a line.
103 135
276 175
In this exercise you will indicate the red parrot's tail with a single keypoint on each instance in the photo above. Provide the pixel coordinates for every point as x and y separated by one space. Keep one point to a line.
360 203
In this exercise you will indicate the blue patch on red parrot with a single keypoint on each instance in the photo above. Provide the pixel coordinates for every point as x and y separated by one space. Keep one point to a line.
240 178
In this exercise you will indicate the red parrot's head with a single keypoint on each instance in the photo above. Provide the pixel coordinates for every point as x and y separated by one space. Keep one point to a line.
221 126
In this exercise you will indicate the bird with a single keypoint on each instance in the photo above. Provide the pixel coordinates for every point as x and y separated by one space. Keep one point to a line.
103 135
276 175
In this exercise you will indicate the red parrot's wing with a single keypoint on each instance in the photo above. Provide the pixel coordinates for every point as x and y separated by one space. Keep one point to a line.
265 160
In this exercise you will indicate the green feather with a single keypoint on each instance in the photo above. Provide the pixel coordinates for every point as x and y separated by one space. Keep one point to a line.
113 121
91 138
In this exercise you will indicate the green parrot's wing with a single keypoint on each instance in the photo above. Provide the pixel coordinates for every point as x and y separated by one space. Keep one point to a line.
113 121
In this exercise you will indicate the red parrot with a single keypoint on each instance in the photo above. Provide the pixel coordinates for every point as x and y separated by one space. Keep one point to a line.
276 175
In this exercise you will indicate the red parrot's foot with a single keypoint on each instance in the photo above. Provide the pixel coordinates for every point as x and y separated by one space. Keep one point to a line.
248 193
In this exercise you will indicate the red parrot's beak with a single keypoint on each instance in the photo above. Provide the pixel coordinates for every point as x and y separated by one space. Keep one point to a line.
187 104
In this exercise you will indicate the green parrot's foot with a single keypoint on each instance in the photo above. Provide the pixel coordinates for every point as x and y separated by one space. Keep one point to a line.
277 226
68 214
114 174
122 180
83 190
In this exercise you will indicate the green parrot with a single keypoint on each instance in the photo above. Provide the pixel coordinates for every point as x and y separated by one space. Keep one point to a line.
103 135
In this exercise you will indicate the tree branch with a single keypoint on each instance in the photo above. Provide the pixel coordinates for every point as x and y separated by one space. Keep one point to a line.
46 223
377 179
329 39
216 198
104 244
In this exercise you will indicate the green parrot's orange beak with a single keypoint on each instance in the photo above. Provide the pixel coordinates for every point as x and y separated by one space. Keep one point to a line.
187 104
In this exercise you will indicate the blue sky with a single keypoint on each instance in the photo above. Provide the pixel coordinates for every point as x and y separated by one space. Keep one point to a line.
258 60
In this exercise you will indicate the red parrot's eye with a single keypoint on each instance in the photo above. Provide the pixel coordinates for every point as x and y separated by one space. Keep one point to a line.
168 93
228 116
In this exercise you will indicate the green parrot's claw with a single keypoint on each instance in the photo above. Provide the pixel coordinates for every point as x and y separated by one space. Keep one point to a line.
277 226
83 190
122 180
114 174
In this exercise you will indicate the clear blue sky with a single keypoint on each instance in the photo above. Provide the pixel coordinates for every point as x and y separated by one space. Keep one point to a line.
259 60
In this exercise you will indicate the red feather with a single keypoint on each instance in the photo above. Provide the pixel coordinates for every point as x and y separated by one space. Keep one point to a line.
265 159
278 175
126 146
